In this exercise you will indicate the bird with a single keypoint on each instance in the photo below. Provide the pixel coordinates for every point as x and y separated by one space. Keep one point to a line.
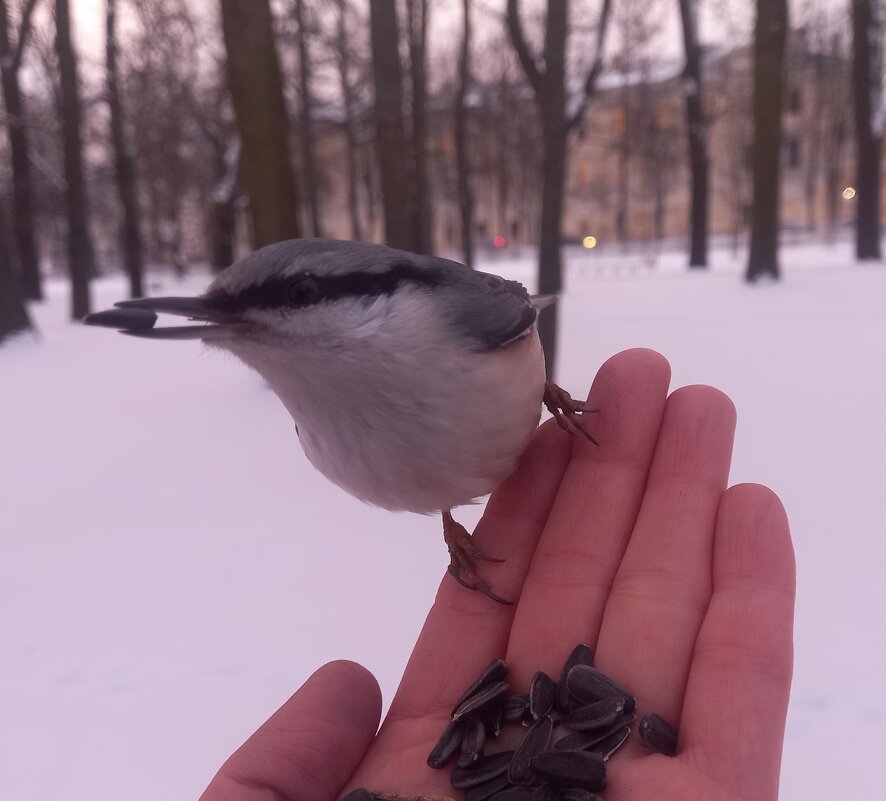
415 382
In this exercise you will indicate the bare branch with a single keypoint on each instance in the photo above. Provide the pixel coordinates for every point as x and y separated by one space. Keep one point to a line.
24 32
590 85
518 40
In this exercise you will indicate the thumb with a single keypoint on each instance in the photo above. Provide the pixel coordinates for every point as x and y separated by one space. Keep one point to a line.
309 747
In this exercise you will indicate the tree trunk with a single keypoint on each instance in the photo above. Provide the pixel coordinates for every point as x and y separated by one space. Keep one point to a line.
81 255
309 156
867 78
223 208
14 317
462 155
347 93
696 129
130 229
257 94
417 12
398 196
769 47
23 222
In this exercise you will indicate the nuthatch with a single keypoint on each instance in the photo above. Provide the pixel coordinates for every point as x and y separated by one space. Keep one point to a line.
415 382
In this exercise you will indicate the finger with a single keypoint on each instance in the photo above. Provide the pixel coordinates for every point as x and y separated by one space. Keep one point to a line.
308 748
663 586
465 631
737 694
574 564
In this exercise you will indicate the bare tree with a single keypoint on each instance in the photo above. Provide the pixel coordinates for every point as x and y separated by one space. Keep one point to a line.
398 194
465 178
127 188
343 63
696 129
12 50
14 317
306 122
257 93
81 255
868 81
770 34
417 26
548 84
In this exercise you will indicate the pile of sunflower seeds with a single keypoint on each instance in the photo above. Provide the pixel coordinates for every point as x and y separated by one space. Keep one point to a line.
574 726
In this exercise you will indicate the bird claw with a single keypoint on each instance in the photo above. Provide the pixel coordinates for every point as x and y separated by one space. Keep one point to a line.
566 410
462 553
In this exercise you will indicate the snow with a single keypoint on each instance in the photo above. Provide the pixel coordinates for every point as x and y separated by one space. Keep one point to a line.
172 568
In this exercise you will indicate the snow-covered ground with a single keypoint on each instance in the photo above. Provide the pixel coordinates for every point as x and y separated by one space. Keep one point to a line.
172 568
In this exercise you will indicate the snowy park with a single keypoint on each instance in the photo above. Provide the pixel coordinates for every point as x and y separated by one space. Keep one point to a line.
173 568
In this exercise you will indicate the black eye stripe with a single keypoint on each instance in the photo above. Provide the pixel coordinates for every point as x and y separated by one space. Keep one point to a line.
306 289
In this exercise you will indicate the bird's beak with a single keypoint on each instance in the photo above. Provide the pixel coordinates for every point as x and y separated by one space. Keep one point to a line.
137 318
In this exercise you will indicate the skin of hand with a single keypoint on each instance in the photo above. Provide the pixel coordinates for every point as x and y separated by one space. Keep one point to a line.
684 588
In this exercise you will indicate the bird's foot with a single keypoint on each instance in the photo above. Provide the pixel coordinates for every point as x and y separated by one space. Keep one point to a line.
566 410
462 553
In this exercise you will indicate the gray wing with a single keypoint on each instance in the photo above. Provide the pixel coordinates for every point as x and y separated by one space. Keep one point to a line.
488 310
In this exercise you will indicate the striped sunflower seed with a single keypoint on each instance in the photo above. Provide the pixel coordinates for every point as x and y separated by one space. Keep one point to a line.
515 708
482 770
542 692
447 745
571 769
578 794
536 740
487 789
480 700
526 794
586 740
496 671
587 685
597 715
606 747
658 734
472 743
581 655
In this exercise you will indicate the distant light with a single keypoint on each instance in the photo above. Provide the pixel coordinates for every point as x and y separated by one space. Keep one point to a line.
849 193
499 241
589 242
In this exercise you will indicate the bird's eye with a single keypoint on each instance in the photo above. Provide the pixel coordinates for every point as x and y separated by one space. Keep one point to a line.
302 290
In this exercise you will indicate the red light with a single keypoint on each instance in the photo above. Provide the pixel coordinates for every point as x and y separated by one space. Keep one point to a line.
499 241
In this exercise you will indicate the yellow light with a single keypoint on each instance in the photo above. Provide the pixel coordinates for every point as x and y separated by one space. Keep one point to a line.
849 193
589 242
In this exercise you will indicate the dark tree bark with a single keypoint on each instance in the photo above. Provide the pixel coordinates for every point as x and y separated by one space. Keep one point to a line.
696 128
127 187
257 95
343 59
417 24
223 209
14 317
549 89
81 255
462 153
770 34
868 81
23 222
398 195
306 134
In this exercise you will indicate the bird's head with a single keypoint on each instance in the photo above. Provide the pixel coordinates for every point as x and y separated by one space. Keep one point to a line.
295 296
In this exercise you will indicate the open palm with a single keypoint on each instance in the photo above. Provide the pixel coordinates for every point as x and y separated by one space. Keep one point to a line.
685 590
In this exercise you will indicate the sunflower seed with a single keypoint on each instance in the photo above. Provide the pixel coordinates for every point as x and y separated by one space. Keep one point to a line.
482 770
587 684
542 691
481 700
360 794
526 794
537 739
606 747
472 743
586 740
658 734
492 718
597 715
496 671
447 745
581 655
515 708
487 789
571 769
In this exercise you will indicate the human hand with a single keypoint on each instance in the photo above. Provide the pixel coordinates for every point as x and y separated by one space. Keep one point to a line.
684 589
